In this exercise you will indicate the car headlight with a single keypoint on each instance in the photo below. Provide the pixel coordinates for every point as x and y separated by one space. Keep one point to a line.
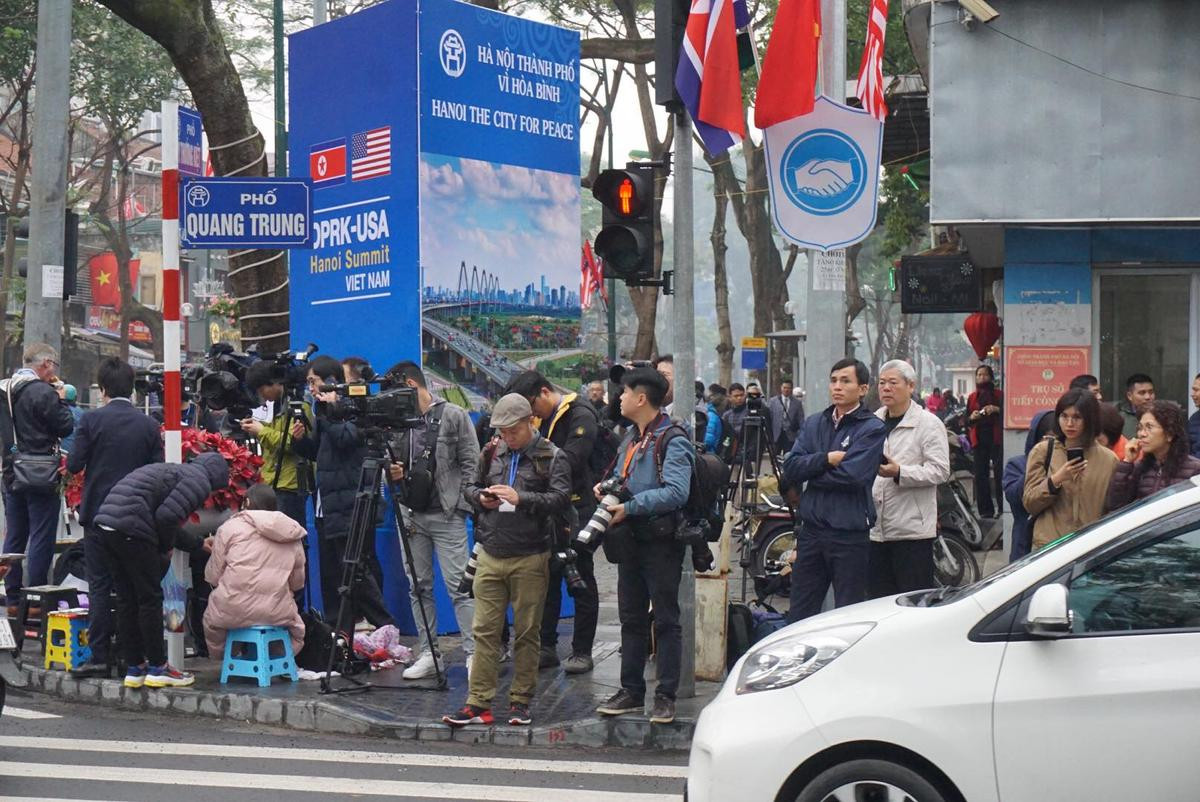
786 661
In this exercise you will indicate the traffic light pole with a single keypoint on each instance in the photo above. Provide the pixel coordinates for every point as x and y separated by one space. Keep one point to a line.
685 366
48 183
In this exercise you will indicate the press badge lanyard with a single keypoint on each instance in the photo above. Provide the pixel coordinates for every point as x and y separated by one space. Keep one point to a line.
638 447
512 468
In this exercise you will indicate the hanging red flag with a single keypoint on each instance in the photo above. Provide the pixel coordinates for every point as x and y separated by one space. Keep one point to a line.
789 72
870 72
102 268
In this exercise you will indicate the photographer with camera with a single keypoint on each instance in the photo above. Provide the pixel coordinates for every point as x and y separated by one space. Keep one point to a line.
437 460
283 468
520 492
338 448
571 423
648 554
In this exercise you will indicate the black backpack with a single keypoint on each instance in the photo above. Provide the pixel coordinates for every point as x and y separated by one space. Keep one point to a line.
709 487
739 634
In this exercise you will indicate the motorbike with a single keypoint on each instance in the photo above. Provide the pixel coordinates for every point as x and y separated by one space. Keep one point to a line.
767 534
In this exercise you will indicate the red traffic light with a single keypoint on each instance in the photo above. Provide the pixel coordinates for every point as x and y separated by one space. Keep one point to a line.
624 193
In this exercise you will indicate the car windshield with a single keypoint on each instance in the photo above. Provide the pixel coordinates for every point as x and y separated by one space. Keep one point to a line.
944 595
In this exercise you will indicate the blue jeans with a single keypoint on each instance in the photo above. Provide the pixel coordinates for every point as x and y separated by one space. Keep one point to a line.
825 557
651 577
32 520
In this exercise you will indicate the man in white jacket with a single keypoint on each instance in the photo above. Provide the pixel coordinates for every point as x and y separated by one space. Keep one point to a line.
916 459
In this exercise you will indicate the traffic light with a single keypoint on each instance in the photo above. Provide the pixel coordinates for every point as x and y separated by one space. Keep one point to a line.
70 251
626 240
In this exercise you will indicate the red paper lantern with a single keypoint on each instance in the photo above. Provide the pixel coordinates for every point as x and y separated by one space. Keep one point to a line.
982 330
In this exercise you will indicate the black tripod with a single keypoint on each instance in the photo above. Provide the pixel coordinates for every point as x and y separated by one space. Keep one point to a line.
744 483
362 526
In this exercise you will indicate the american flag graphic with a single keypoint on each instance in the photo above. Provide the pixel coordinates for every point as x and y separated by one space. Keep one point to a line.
371 154
591 279
870 74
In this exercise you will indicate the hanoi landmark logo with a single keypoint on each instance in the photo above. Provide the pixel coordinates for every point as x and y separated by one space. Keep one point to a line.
452 52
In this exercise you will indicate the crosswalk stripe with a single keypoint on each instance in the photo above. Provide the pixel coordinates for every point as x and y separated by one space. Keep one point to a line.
343 786
20 712
347 756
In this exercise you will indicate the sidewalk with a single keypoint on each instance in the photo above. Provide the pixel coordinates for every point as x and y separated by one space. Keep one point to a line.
563 707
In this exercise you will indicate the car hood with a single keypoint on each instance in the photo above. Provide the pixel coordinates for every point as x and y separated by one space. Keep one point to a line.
871 612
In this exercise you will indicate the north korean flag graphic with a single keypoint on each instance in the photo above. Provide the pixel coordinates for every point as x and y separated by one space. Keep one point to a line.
327 163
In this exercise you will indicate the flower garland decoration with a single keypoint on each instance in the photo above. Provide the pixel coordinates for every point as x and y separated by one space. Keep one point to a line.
243 470
224 306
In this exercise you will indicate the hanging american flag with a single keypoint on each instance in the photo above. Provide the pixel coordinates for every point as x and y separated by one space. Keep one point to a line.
371 154
870 73
590 279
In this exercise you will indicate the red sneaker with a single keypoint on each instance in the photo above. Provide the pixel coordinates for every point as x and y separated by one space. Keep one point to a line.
470 714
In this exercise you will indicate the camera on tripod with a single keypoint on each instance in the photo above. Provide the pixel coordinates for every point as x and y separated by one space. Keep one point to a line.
613 492
394 406
149 380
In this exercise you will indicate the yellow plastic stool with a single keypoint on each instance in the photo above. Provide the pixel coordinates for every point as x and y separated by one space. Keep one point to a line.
67 639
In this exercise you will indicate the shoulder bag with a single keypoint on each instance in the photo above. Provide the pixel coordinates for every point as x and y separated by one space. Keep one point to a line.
36 472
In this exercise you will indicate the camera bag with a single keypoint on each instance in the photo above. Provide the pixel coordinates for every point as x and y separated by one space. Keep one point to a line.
421 473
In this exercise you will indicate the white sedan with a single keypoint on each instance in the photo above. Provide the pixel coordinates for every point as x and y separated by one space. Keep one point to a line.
1073 674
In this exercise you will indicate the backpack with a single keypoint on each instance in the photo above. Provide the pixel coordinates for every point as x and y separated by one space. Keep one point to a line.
604 453
707 495
739 634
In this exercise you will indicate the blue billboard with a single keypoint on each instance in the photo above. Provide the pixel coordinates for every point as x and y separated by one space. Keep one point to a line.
442 144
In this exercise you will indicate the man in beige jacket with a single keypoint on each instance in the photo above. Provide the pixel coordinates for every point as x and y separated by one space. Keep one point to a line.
916 459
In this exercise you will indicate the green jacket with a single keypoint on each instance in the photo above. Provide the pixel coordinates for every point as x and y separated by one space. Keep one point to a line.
269 439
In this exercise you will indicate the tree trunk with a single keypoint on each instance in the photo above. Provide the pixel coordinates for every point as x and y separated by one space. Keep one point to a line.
768 278
10 239
192 38
721 284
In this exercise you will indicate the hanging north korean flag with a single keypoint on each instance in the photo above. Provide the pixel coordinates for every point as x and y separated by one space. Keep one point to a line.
327 163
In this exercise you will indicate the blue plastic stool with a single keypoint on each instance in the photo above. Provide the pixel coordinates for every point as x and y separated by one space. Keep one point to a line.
248 654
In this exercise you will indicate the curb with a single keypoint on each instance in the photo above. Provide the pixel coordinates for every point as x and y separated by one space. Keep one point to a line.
315 715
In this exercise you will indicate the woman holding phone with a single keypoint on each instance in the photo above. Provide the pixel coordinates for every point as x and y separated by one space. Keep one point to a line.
1068 473
1158 457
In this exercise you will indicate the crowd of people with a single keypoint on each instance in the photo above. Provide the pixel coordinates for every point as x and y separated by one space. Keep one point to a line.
525 483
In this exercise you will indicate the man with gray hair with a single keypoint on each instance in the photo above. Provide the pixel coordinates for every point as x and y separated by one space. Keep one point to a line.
33 418
916 459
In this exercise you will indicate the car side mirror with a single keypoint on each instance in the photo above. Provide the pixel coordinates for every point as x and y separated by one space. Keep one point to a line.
1049 614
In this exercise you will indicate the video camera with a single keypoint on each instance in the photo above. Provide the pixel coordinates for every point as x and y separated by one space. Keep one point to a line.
149 380
392 407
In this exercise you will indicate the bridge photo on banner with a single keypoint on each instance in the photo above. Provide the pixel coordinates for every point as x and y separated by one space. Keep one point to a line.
441 140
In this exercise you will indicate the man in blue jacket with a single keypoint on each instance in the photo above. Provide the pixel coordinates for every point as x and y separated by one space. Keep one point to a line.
837 454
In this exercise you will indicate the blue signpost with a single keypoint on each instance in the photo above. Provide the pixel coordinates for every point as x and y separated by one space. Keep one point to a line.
191 142
245 213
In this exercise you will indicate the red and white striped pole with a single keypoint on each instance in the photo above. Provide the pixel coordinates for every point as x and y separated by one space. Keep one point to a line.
172 396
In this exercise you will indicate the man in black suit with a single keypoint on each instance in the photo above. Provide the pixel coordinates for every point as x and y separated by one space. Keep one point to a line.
110 443
787 416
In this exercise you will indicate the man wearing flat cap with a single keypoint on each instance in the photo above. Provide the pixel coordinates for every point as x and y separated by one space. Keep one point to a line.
521 488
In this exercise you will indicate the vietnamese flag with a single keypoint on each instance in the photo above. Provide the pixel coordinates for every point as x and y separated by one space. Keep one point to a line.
102 268
789 71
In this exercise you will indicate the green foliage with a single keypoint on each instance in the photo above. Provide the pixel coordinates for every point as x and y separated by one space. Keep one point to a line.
18 35
118 73
905 212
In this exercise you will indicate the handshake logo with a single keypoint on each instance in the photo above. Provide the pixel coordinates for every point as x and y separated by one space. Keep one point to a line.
824 172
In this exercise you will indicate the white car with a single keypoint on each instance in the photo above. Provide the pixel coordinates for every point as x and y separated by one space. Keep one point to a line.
1073 674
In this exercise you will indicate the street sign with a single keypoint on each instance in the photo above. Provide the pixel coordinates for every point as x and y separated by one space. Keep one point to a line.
823 174
191 143
246 213
754 353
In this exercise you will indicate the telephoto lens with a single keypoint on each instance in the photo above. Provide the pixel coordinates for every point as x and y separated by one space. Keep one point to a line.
467 583
614 493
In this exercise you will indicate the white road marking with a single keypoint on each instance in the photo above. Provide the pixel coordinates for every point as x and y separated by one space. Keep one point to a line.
342 786
20 712
650 770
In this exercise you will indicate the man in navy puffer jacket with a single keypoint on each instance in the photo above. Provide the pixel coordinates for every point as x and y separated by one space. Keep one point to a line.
138 523
837 454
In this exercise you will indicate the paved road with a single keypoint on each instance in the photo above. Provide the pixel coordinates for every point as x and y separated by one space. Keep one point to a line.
53 750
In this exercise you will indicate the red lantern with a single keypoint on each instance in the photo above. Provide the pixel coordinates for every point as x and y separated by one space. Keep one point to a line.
982 330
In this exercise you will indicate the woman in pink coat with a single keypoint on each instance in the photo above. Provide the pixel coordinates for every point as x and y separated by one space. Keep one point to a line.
256 566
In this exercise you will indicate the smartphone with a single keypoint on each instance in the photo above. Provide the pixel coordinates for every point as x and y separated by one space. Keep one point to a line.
15 557
487 494
1074 454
